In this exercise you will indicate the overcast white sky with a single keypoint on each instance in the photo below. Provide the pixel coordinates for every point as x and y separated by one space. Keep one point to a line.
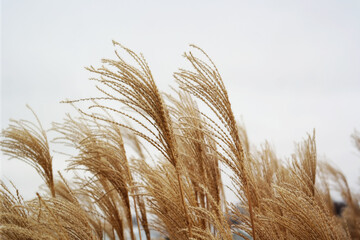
289 66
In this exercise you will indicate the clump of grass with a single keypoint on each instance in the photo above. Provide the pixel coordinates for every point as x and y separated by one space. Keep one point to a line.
156 161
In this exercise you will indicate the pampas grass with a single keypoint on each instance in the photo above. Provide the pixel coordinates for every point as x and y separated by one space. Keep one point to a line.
155 161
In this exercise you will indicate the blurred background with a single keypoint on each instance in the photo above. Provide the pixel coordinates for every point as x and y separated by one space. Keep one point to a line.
289 66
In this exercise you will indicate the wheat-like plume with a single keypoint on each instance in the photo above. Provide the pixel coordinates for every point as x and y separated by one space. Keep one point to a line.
140 94
28 142
206 84
102 153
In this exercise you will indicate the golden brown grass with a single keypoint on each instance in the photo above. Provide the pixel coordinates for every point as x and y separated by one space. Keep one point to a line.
157 160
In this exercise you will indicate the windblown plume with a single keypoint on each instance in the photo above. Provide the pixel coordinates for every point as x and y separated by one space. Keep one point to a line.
206 84
137 87
28 142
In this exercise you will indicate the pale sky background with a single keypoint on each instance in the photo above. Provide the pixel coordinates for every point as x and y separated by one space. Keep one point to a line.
289 66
